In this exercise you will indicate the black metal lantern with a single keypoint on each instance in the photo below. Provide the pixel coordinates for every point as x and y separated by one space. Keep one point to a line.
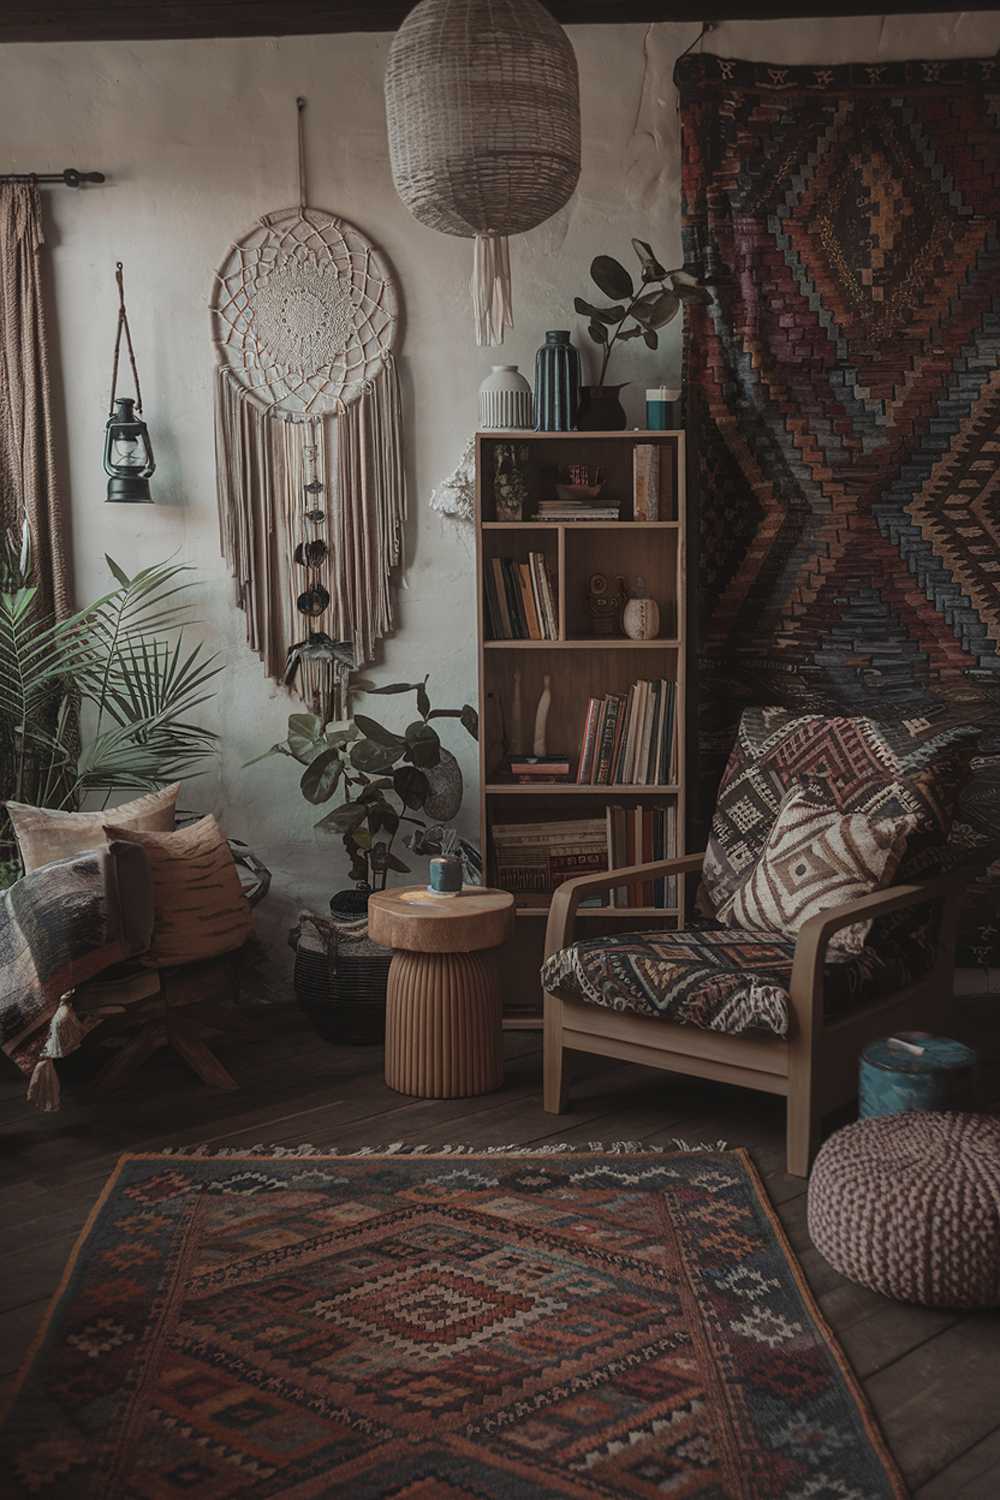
128 453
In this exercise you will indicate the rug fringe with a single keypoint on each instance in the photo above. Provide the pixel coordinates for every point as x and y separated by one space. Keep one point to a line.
676 1145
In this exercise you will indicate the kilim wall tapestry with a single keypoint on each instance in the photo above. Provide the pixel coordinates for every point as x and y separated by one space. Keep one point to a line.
844 401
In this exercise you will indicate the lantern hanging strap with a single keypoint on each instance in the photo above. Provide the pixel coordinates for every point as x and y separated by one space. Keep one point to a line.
491 293
123 325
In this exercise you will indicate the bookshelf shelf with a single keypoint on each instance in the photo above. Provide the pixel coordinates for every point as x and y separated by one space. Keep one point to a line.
550 562
572 788
581 525
583 643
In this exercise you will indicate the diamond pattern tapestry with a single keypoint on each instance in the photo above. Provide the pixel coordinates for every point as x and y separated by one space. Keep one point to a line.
589 1325
844 403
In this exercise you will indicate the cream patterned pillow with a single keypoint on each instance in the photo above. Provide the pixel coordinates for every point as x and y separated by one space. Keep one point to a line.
199 909
44 835
816 858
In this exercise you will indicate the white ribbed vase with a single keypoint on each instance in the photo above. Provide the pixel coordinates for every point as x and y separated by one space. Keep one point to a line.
504 400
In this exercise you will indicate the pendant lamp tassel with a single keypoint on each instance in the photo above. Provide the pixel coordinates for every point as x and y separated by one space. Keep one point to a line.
491 295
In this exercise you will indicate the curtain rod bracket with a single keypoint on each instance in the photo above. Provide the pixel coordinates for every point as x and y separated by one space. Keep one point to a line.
69 177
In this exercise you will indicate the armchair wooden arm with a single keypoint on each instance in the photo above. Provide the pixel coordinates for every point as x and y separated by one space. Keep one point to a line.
815 934
807 1024
562 912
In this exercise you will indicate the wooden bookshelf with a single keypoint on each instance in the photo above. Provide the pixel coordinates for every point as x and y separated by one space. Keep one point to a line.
579 664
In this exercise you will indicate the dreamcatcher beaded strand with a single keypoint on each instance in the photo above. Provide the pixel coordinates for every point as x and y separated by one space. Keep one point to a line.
305 313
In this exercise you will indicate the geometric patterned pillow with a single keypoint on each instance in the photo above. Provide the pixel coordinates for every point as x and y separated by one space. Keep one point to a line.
882 769
816 858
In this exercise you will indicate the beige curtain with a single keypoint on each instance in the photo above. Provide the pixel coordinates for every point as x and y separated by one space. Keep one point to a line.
29 484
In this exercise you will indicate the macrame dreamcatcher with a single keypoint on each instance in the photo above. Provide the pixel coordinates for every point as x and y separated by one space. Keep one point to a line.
309 448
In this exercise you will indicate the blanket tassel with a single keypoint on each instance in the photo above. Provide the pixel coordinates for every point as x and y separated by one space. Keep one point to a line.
43 1090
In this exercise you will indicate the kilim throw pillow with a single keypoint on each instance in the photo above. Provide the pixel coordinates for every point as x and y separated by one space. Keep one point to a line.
858 765
198 904
44 835
816 858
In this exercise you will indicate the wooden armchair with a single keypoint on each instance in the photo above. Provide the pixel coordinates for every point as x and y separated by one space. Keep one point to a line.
815 1067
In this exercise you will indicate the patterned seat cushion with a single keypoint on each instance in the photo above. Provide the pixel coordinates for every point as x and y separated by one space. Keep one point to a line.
719 978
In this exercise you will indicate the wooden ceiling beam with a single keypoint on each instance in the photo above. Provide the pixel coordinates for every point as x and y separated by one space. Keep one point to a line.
136 20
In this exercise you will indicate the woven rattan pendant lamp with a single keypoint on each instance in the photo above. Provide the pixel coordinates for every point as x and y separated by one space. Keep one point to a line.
483 110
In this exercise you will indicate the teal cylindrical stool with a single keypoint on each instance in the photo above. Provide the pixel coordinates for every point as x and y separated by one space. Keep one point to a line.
915 1071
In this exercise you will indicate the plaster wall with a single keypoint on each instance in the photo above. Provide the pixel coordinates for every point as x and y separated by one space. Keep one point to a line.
198 139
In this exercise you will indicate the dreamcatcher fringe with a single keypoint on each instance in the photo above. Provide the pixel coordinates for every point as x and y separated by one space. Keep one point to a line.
259 464
372 492
492 304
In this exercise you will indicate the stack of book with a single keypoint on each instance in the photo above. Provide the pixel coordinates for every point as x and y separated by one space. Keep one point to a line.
577 510
536 770
520 600
532 859
629 739
636 835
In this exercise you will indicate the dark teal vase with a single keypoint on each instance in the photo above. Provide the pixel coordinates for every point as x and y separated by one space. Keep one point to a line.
557 383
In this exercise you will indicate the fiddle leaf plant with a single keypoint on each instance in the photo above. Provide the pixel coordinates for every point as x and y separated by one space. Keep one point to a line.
656 301
383 778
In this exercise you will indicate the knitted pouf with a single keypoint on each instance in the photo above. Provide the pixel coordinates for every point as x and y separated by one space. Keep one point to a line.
909 1205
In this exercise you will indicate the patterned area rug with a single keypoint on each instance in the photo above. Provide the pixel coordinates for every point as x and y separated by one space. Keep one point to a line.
844 401
460 1326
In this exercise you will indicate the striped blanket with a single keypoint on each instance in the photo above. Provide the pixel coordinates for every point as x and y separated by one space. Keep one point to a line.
60 926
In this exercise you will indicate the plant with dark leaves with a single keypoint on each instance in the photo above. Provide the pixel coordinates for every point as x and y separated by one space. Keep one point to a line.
384 778
656 302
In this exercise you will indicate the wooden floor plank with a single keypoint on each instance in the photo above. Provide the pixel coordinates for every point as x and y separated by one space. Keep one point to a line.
943 1397
973 1476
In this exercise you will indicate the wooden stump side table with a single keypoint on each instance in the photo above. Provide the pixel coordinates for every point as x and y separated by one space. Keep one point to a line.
443 1034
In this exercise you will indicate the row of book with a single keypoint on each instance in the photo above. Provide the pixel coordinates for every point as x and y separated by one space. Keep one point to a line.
637 835
533 859
521 600
629 739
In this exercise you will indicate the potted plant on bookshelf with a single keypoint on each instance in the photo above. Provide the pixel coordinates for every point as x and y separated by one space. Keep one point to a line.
635 313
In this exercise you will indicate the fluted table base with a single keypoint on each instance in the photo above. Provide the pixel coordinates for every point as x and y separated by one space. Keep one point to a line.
443 1037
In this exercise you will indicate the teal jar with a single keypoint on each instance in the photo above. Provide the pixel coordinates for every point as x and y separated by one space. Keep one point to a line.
915 1071
557 383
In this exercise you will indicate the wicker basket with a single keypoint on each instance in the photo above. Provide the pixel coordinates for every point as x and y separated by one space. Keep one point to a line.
340 981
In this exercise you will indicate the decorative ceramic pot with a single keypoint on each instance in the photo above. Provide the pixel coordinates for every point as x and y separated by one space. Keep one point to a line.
557 383
641 615
600 409
504 400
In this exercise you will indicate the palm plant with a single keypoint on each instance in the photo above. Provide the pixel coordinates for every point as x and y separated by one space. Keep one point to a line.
121 666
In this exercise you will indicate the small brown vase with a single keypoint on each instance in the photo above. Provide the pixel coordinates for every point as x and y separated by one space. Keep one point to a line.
600 409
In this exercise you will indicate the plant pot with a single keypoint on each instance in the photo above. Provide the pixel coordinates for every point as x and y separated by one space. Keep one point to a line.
350 906
600 409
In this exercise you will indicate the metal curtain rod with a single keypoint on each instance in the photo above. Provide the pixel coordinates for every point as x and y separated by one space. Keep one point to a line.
69 177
